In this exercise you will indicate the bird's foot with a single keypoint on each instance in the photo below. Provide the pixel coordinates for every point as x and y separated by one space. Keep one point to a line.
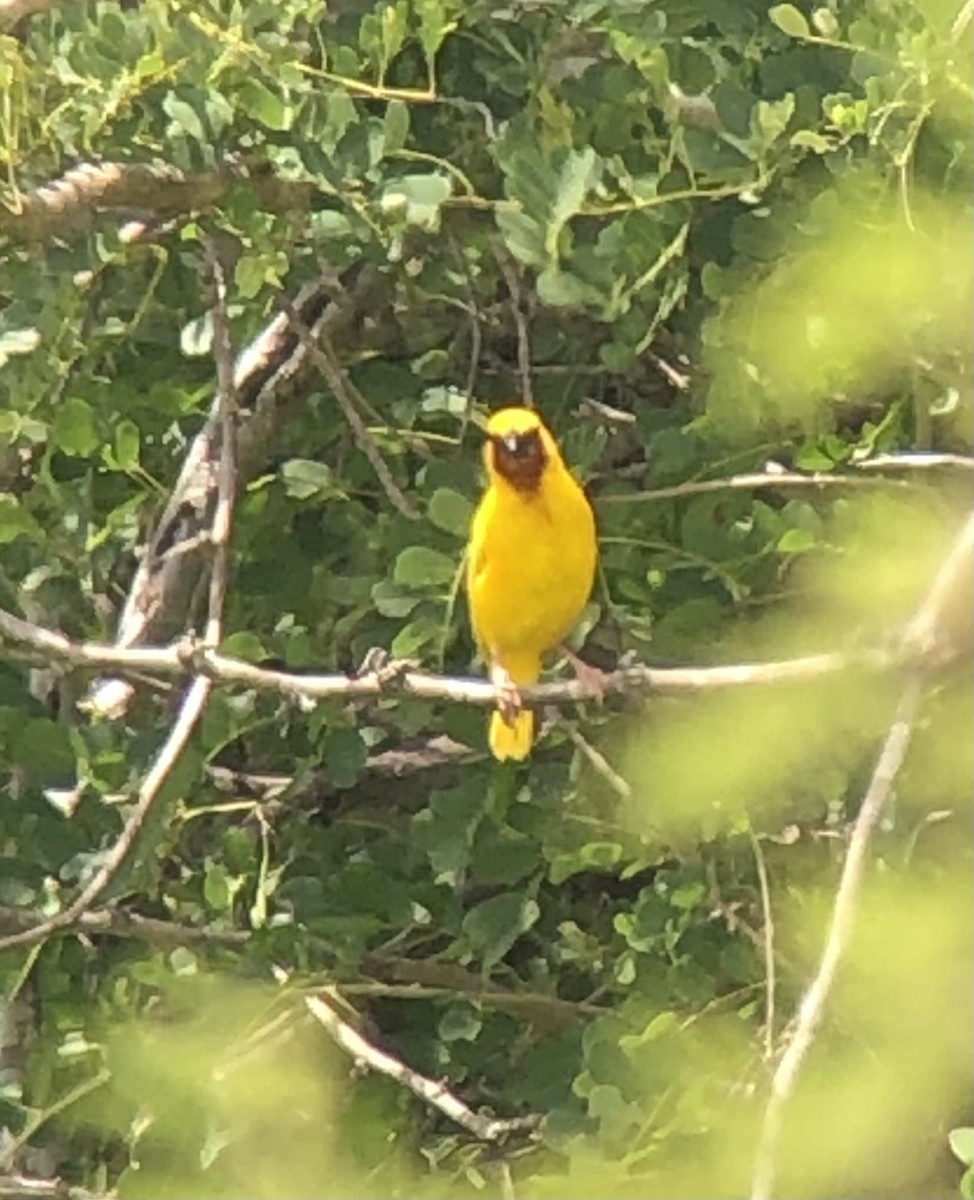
383 667
507 698
593 679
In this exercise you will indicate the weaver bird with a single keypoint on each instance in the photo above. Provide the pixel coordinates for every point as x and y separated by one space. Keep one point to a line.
530 565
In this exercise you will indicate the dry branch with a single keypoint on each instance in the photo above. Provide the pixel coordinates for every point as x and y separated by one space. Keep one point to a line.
324 358
488 1129
12 11
69 205
268 376
921 634
194 701
186 657
116 922
32 1187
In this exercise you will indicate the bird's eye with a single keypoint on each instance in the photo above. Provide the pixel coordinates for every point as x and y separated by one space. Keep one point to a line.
519 445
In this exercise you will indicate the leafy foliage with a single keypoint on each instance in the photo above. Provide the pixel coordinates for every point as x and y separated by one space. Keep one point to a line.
724 235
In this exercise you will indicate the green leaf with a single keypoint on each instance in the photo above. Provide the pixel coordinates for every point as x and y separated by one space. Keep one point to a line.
770 117
127 442
460 1023
419 566
196 337
434 25
16 521
796 541
825 22
266 106
562 289
523 236
789 20
75 428
445 831
577 176
253 271
395 126
494 925
344 755
305 477
418 198
962 1144
808 139
184 117
245 645
392 601
416 636
450 511
217 889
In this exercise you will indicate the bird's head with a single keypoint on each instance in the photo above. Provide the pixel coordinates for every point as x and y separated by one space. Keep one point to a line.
518 448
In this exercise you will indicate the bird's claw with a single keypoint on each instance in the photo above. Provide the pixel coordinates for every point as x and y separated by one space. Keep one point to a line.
383 667
592 679
507 698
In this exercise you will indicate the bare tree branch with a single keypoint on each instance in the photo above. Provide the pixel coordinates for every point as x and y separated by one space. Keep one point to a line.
488 1129
915 462
116 922
31 1187
767 922
323 356
267 377
754 481
921 632
196 697
396 763
186 657
70 204
509 269
12 11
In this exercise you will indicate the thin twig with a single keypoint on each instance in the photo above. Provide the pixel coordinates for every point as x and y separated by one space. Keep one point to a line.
915 462
921 635
227 471
598 761
157 774
116 922
270 376
488 1129
324 358
198 692
13 1145
510 272
752 482
812 1008
680 380
767 920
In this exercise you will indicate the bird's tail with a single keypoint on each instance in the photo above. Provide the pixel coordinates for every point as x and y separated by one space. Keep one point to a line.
512 740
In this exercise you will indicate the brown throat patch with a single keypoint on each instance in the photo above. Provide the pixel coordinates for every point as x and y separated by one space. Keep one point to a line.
519 458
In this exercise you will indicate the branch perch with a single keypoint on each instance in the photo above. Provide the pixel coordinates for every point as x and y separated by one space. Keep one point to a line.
185 657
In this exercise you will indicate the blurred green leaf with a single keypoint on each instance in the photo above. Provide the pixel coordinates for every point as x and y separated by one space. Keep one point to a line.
420 566
789 20
493 926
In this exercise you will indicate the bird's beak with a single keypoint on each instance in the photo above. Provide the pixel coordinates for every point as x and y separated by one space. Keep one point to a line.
513 444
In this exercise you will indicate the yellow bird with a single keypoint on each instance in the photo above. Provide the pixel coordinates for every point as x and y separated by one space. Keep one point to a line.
530 565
